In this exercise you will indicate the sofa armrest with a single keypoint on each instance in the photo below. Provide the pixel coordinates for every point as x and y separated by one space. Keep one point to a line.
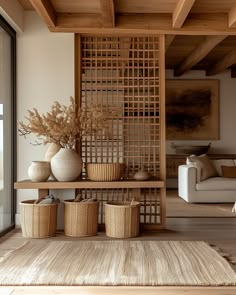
187 180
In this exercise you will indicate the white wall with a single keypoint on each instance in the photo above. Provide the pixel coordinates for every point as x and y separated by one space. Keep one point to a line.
45 73
227 113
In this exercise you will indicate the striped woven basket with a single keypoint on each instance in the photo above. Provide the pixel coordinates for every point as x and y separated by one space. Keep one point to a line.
80 218
105 171
122 219
38 220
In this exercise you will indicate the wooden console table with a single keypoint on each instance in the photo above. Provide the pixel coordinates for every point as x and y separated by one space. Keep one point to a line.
153 209
43 187
173 161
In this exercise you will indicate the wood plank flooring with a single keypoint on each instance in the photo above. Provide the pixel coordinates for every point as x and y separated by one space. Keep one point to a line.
177 207
220 232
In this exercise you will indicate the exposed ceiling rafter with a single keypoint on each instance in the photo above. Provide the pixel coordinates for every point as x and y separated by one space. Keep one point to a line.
168 40
232 17
47 12
198 53
181 12
227 61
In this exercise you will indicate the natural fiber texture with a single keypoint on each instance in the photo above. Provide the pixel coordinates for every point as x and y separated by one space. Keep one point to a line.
38 220
46 262
80 218
105 171
122 220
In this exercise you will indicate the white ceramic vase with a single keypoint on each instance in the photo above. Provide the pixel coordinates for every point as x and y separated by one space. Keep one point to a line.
39 171
66 165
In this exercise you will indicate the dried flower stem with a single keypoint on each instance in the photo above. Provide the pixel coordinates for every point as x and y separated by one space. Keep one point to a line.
65 125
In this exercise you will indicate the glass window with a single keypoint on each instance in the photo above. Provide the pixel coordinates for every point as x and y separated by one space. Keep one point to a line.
7 126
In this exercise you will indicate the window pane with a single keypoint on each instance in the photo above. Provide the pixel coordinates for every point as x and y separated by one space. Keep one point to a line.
5 131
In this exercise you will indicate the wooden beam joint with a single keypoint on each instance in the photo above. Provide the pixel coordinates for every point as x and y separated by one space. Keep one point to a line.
46 11
181 12
108 13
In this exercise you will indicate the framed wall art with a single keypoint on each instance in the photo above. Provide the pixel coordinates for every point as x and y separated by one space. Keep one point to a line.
192 109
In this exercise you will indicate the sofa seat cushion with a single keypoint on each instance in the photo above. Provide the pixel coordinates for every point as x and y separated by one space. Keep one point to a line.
217 184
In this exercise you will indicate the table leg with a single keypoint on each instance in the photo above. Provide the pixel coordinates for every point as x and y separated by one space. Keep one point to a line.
42 193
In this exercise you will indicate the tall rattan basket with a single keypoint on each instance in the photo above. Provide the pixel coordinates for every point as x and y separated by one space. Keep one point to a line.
122 219
38 220
80 218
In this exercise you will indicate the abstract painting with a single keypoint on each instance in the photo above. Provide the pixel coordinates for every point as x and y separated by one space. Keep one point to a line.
192 109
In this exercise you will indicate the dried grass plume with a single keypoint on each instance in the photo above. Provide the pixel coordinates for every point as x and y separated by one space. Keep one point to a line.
65 125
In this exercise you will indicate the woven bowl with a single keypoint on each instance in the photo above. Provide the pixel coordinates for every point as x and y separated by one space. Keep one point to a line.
105 171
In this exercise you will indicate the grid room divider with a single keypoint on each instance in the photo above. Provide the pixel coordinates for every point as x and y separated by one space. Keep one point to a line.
125 76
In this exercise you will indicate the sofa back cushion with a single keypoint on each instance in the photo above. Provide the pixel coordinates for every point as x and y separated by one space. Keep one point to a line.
222 162
228 171
206 166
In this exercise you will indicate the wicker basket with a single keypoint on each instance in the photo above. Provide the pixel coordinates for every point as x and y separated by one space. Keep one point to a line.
80 218
38 220
105 171
122 220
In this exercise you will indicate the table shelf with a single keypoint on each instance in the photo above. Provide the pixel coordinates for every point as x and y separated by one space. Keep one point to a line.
88 184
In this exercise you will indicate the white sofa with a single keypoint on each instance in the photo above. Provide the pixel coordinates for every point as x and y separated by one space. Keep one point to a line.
217 189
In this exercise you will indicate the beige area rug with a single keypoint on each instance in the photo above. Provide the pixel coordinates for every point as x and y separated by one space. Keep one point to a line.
123 262
177 207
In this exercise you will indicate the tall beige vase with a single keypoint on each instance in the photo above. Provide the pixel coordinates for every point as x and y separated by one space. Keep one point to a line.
66 165
53 148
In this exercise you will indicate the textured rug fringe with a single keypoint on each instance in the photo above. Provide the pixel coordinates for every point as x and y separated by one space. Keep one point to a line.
231 260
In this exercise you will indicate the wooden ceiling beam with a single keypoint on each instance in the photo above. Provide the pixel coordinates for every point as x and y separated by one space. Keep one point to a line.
181 12
108 13
232 17
168 40
197 24
228 60
198 54
46 11
78 22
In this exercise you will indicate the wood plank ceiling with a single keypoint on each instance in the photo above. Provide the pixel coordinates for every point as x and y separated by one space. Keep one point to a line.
200 34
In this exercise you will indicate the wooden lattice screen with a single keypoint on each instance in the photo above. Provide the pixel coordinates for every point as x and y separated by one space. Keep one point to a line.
122 74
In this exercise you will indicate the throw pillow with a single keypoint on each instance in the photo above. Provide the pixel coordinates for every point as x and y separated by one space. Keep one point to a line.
228 171
222 162
204 163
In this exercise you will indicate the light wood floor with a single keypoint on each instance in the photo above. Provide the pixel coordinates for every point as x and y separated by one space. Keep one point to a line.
217 231
177 207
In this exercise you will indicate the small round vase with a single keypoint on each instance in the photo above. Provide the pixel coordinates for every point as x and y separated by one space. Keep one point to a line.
66 165
39 171
142 175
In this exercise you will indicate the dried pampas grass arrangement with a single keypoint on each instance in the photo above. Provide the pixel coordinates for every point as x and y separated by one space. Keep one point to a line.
65 125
